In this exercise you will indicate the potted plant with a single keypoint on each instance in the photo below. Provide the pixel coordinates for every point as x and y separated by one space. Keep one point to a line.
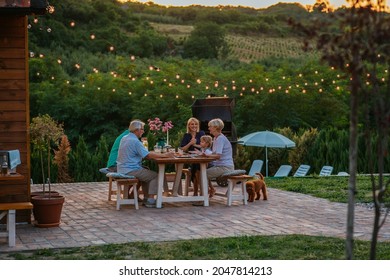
46 132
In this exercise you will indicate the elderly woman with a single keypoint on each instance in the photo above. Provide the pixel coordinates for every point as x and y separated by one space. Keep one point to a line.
222 149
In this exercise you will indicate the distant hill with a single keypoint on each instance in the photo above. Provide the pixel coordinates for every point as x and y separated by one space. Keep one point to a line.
253 34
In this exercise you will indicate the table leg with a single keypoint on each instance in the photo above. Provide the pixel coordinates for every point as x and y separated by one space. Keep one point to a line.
160 187
204 184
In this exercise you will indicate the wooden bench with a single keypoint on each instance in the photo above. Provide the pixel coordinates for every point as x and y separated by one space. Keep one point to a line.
236 178
125 184
183 190
111 179
9 209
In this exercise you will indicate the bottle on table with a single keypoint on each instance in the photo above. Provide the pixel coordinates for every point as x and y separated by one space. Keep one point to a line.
145 143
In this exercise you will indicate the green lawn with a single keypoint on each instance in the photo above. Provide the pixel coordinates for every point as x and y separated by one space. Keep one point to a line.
288 247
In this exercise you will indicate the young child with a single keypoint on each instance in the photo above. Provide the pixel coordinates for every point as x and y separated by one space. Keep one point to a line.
205 149
205 144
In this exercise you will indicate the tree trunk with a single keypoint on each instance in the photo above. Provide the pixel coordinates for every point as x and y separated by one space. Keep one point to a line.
353 149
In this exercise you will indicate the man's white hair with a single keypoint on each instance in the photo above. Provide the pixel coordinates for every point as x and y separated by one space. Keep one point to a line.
136 124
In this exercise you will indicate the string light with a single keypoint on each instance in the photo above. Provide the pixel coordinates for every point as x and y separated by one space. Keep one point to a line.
216 84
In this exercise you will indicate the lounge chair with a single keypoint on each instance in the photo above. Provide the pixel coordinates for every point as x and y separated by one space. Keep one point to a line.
326 170
256 167
283 171
302 170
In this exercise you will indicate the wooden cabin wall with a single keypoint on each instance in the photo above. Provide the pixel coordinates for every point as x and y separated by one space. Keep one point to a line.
14 106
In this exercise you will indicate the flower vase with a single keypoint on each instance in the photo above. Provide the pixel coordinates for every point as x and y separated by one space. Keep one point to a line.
161 142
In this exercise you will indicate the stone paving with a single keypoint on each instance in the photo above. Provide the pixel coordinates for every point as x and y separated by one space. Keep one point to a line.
89 219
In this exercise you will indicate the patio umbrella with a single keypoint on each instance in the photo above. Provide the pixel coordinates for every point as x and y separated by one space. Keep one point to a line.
267 139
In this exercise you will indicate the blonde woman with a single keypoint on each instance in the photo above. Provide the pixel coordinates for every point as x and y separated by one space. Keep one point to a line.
191 138
191 141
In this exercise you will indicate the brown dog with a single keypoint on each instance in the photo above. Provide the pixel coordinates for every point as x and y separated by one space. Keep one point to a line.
254 187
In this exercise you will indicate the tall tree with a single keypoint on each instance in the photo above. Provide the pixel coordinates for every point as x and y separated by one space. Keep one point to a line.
322 6
360 48
206 41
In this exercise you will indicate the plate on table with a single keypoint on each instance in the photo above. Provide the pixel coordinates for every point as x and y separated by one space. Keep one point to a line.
182 156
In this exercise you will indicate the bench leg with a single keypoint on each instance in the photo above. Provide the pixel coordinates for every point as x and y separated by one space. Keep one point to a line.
118 195
135 191
229 192
109 188
244 193
11 227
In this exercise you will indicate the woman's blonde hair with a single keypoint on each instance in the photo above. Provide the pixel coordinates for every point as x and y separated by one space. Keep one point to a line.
207 139
218 123
190 120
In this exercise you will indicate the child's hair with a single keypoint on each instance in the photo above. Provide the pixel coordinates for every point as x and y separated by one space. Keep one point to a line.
207 139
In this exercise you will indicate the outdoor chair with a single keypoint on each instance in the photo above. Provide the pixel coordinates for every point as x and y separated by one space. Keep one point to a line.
326 170
283 171
302 170
256 167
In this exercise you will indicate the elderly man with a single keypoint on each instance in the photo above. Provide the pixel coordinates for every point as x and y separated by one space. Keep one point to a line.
130 155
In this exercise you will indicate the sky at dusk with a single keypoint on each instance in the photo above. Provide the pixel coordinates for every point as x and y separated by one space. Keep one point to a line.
250 3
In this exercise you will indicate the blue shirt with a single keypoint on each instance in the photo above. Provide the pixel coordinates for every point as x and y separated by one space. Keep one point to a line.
130 154
223 147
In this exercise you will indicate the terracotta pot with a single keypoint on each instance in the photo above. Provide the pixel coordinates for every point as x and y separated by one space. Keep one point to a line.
47 210
46 193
